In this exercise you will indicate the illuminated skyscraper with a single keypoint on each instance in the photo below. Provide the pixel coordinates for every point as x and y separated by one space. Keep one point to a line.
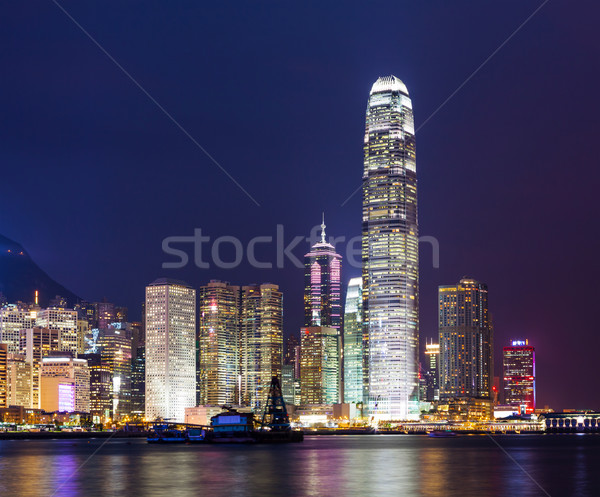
322 285
261 341
3 375
390 254
519 375
219 343
320 365
14 318
63 320
65 384
466 341
20 381
432 375
114 344
353 343
170 349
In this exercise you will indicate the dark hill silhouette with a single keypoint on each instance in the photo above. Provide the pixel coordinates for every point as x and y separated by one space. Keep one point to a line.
20 277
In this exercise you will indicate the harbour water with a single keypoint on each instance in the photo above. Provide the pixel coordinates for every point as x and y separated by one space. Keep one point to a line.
352 465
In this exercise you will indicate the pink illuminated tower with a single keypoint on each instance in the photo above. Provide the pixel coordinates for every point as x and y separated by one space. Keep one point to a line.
322 289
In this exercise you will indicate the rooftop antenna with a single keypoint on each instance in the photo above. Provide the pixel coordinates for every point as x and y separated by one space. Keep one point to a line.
323 229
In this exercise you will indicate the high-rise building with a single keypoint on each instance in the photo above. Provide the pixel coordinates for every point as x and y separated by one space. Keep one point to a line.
322 285
432 374
63 320
291 354
261 341
82 331
37 343
65 384
519 375
20 381
107 314
219 343
3 375
390 254
101 387
320 365
14 318
170 349
353 343
87 311
138 382
466 341
114 344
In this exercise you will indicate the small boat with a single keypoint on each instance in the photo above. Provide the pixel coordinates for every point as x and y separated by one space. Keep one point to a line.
441 434
161 434
195 435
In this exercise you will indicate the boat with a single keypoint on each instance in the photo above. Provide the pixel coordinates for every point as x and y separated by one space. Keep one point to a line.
441 434
232 426
162 434
195 435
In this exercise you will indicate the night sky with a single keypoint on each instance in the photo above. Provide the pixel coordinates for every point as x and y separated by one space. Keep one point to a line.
95 176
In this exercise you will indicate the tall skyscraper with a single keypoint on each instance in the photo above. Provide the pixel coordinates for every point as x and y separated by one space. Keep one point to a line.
138 382
14 318
320 365
101 387
114 344
519 375
322 285
3 375
170 349
261 341
353 343
20 381
219 343
466 341
390 254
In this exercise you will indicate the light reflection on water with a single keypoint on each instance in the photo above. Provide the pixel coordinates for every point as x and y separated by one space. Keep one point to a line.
321 466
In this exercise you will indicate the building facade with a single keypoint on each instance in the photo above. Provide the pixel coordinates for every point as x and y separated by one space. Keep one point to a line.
466 341
519 375
114 344
64 384
101 388
261 341
390 254
432 374
353 343
20 381
13 319
320 365
170 349
219 343
63 320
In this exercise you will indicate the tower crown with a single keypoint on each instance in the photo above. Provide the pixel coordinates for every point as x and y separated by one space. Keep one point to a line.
389 83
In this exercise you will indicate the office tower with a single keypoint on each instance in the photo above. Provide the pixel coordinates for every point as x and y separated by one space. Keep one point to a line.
82 331
4 374
101 388
20 381
288 385
114 344
14 318
353 343
63 320
218 342
466 341
121 313
322 285
261 341
390 254
106 314
320 365
170 349
138 382
87 311
432 352
519 375
291 355
35 344
65 384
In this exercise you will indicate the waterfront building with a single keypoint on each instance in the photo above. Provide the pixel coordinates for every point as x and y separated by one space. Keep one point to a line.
63 320
320 365
35 344
432 352
353 343
114 344
14 318
4 374
101 387
138 382
261 341
219 343
466 341
20 381
322 285
170 349
64 384
519 375
390 254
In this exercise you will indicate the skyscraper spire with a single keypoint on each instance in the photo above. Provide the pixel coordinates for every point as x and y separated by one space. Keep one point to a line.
323 229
